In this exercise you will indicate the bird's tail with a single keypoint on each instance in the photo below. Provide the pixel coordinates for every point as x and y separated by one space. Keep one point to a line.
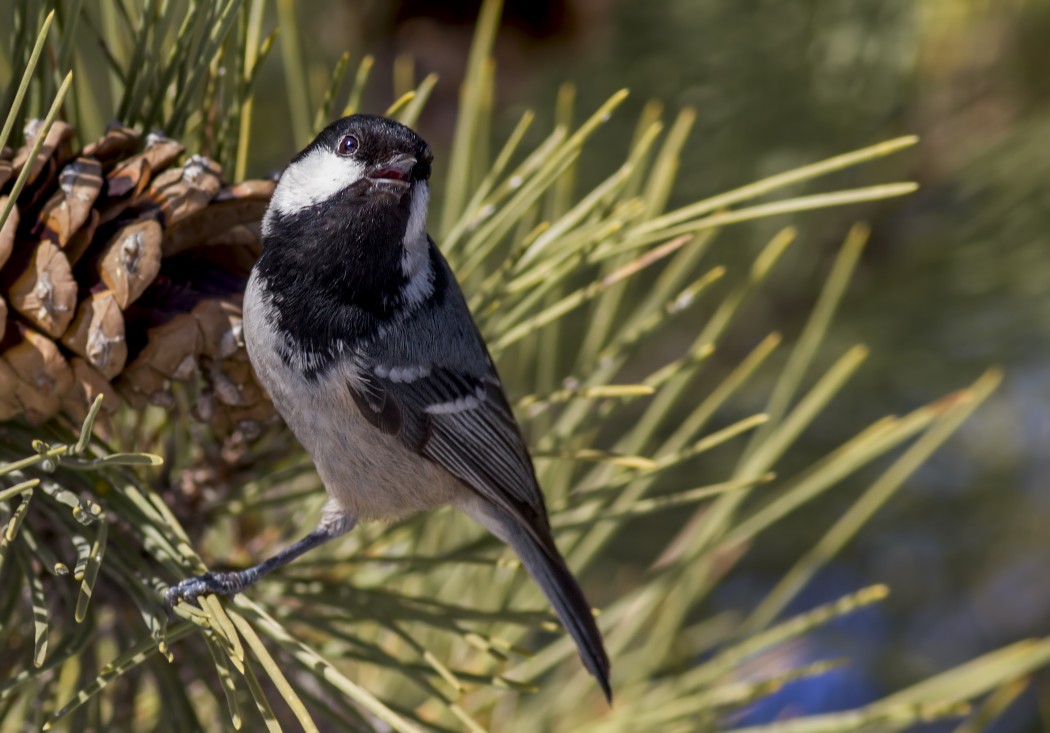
548 569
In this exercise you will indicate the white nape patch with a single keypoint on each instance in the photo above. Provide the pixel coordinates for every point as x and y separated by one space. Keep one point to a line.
416 231
415 261
460 404
317 176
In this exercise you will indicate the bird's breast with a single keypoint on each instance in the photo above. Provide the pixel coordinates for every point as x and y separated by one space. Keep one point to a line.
368 474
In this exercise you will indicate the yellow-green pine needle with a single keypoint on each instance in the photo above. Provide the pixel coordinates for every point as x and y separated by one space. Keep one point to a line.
994 706
972 678
665 168
85 512
94 562
34 150
45 555
792 628
322 669
19 488
715 439
253 56
781 438
15 522
490 233
258 695
604 391
872 500
593 455
813 333
23 86
273 671
226 681
842 197
404 74
575 299
297 79
875 440
410 113
781 180
88 427
470 105
126 662
357 91
560 198
39 604
585 516
83 549
399 103
708 338
224 629
574 216
431 661
489 181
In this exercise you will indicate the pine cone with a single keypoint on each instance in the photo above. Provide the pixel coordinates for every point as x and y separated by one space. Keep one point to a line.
122 273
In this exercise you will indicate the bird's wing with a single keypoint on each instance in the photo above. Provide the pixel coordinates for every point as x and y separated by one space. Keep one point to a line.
462 422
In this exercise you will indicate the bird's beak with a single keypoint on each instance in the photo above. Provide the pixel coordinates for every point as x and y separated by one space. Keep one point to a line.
393 175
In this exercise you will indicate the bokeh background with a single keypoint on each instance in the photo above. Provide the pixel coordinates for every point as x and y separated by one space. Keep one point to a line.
957 277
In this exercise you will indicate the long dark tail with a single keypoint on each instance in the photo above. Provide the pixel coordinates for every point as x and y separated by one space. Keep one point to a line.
548 569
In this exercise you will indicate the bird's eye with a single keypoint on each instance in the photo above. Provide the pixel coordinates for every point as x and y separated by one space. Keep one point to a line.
348 145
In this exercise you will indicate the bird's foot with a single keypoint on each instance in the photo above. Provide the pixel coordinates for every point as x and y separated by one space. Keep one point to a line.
222 583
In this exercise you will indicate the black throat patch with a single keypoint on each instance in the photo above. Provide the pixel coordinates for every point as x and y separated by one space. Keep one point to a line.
333 277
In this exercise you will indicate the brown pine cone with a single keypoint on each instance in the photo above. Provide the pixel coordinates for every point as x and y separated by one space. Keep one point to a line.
122 273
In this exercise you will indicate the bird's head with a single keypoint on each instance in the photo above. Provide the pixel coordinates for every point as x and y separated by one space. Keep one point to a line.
351 208
360 169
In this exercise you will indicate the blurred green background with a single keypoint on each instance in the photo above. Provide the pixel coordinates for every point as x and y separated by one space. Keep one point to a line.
957 277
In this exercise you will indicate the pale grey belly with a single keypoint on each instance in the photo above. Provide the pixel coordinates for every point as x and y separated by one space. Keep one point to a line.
368 474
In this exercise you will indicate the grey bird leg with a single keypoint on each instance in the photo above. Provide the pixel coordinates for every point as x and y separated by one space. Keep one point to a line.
232 582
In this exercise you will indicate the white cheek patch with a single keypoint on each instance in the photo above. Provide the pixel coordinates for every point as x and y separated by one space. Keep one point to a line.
315 177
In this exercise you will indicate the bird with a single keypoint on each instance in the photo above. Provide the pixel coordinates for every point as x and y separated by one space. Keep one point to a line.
359 331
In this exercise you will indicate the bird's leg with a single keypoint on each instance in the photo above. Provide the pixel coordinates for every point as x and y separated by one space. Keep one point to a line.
230 583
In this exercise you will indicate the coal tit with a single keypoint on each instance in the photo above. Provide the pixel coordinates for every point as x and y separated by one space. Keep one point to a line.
357 327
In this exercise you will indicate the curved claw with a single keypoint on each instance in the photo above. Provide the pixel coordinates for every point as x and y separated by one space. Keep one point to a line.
225 584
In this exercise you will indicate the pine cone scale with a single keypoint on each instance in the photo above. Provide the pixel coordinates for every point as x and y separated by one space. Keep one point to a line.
124 273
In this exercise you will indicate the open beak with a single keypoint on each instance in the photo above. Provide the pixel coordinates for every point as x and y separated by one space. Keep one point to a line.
394 175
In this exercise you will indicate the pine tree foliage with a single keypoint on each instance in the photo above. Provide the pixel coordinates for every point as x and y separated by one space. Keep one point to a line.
427 625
